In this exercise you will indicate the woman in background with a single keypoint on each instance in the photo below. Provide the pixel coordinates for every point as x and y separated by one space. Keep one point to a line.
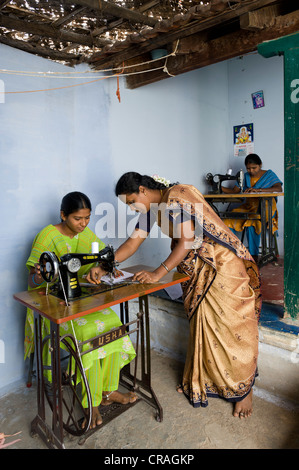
102 365
256 180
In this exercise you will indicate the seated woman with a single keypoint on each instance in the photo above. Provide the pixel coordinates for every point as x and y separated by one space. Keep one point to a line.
256 181
102 365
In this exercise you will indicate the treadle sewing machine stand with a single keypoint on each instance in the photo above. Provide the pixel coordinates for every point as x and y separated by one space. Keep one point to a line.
53 308
268 248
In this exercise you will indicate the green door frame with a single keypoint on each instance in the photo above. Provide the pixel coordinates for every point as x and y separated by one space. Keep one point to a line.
288 46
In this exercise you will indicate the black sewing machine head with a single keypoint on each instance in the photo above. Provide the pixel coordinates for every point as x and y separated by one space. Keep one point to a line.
65 270
217 180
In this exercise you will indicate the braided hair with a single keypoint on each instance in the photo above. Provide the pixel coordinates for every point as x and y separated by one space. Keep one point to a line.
130 182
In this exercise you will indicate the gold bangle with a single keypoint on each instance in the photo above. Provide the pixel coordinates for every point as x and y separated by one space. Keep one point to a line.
164 266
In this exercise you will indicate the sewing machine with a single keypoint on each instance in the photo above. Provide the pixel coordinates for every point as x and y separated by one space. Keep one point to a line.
63 272
217 180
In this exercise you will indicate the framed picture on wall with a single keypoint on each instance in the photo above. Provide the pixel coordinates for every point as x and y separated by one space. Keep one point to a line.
258 99
243 139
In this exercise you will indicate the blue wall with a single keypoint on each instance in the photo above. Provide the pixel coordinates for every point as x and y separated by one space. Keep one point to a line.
177 128
52 142
246 75
82 138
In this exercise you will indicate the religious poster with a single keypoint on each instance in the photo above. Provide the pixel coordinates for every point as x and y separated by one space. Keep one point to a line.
243 140
258 99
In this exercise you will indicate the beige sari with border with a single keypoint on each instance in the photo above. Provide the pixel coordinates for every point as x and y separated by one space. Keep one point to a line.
222 301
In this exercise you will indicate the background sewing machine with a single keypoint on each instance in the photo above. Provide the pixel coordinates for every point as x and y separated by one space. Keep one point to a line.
62 272
217 180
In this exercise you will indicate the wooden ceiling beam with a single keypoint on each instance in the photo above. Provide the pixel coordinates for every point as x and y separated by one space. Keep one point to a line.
226 47
259 19
103 60
3 3
119 12
48 53
49 31
68 17
115 23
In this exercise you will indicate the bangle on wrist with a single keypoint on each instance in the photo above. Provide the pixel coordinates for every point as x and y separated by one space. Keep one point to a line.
37 284
164 266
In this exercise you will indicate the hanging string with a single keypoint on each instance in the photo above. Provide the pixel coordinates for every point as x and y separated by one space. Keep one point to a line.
52 89
55 75
165 69
72 74
80 84
117 90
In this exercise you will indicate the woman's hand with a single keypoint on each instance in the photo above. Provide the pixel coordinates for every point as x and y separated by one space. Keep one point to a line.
117 273
253 190
179 252
147 277
276 188
35 278
37 269
94 275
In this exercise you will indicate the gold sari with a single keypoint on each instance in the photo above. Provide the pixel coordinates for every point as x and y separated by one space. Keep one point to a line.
222 301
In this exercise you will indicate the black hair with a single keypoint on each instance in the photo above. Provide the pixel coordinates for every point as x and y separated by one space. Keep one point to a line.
73 202
130 182
253 158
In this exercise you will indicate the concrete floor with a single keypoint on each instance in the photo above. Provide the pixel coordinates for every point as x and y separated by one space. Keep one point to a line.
273 425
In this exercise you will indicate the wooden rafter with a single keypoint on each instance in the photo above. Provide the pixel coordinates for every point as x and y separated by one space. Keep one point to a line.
106 34
115 23
65 19
117 11
205 53
50 31
160 40
71 59
3 3
259 19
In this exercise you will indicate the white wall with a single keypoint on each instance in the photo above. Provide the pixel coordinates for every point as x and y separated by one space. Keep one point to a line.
177 128
52 142
245 76
82 138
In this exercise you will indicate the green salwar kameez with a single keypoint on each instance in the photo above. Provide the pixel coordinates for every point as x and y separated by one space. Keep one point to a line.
102 366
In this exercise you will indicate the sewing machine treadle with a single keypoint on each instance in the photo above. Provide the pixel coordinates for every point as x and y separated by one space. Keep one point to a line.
53 308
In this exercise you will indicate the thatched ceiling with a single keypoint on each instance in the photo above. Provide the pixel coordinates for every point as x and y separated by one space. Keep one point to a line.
115 33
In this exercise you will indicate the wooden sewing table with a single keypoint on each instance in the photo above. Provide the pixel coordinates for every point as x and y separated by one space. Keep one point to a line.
268 248
55 309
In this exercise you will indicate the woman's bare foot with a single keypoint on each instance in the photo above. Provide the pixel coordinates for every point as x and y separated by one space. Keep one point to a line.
118 397
179 389
243 408
96 418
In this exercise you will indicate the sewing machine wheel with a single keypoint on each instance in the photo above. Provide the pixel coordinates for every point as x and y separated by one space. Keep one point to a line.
49 266
76 418
209 178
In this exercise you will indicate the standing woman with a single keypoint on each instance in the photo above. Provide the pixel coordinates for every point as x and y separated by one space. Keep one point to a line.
222 298
256 180
102 365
